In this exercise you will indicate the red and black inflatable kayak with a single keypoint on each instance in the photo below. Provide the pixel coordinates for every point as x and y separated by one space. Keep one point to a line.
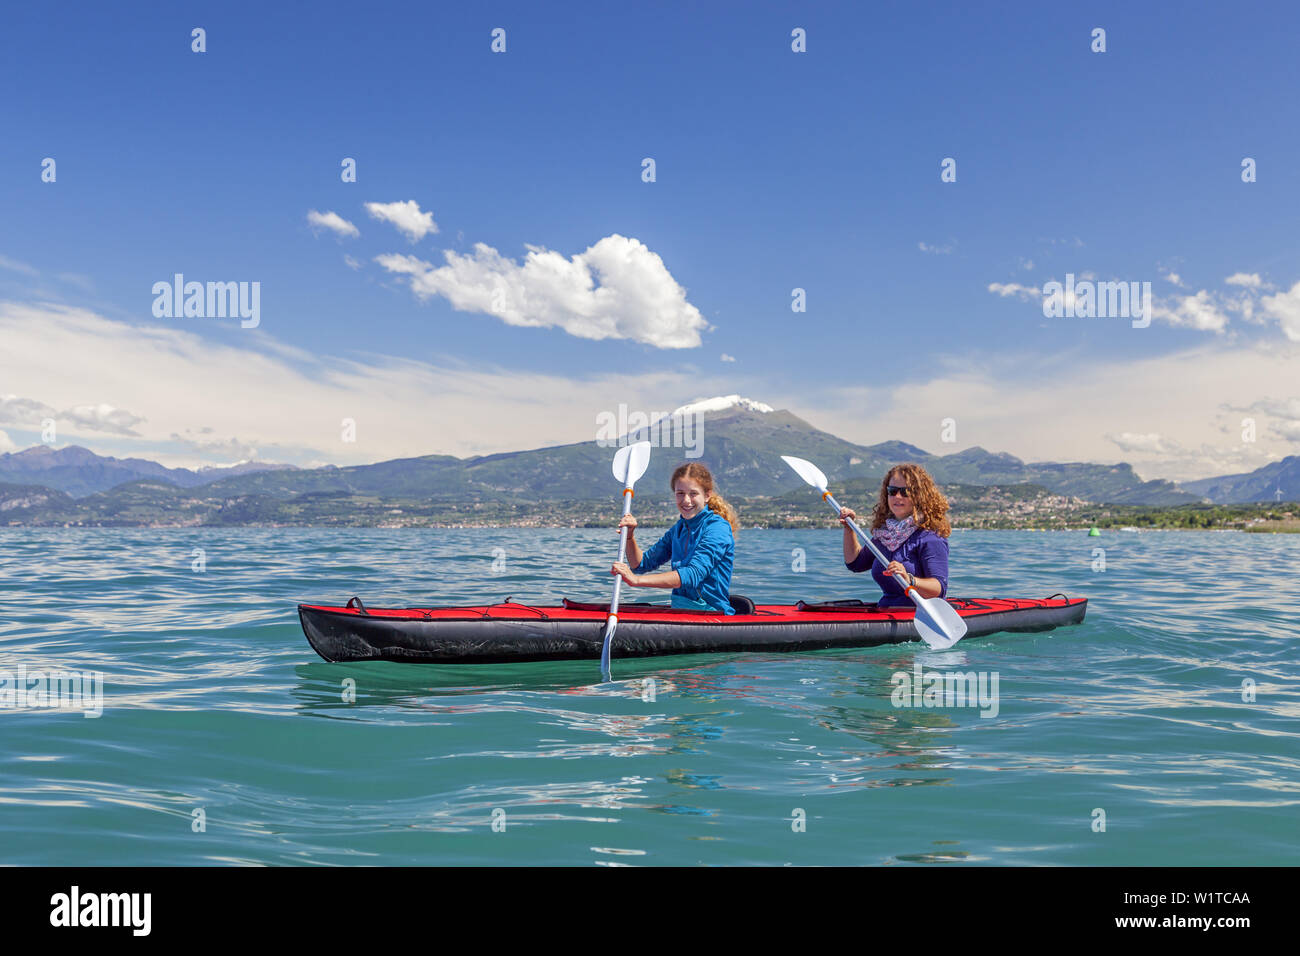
510 632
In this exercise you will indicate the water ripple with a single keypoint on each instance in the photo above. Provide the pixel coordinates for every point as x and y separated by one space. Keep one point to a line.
224 740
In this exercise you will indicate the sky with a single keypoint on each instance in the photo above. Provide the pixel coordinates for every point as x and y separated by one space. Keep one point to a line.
505 265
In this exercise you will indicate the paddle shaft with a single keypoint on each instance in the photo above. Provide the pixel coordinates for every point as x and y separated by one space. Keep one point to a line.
622 550
902 578
611 620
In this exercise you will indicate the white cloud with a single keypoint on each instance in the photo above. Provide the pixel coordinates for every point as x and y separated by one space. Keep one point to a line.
1288 408
1284 307
1063 408
272 401
13 265
616 289
6 443
333 222
351 263
935 250
1287 431
85 283
102 418
728 358
1199 311
406 216
1249 279
1204 310
1244 304
229 449
1150 443
1025 293
24 412
82 282
29 414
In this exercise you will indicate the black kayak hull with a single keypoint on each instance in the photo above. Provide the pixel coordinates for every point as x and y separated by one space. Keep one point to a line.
484 635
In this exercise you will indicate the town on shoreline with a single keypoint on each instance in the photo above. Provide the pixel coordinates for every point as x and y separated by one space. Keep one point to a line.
974 507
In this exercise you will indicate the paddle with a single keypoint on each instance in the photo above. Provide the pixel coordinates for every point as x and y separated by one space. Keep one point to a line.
629 464
936 621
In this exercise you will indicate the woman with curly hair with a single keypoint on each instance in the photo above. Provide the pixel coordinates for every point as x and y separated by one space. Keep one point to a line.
910 525
701 546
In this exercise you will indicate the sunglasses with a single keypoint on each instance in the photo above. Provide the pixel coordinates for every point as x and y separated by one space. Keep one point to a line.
897 490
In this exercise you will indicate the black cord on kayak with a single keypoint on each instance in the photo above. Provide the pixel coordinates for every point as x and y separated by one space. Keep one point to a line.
538 611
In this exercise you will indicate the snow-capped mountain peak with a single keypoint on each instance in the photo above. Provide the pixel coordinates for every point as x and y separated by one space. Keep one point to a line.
721 403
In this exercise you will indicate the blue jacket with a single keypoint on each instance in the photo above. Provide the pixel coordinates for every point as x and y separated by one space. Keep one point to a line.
702 552
924 554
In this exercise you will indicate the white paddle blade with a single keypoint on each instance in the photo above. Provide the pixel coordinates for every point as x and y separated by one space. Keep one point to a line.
807 471
631 462
938 624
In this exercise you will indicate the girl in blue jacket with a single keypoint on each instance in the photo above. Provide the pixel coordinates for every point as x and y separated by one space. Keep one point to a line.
701 545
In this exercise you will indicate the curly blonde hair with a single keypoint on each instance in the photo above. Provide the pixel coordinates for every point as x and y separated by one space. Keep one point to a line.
697 472
930 507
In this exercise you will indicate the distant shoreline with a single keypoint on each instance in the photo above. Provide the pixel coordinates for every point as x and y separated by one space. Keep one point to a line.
992 508
1283 527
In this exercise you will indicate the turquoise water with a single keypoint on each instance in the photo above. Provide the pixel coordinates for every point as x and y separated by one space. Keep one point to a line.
214 702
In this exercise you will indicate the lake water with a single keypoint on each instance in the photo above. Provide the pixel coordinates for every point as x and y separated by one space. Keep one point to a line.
225 740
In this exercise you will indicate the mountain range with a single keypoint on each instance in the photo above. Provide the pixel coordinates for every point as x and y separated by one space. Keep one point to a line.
79 471
741 441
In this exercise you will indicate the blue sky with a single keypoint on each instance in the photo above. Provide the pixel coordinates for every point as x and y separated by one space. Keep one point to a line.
775 170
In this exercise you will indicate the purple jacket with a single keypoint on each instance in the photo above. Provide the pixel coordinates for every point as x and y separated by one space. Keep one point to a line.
924 554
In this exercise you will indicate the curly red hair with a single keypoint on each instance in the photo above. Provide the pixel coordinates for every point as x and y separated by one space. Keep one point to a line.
930 507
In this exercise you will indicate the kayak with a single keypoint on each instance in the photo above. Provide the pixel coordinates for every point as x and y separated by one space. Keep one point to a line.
510 632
